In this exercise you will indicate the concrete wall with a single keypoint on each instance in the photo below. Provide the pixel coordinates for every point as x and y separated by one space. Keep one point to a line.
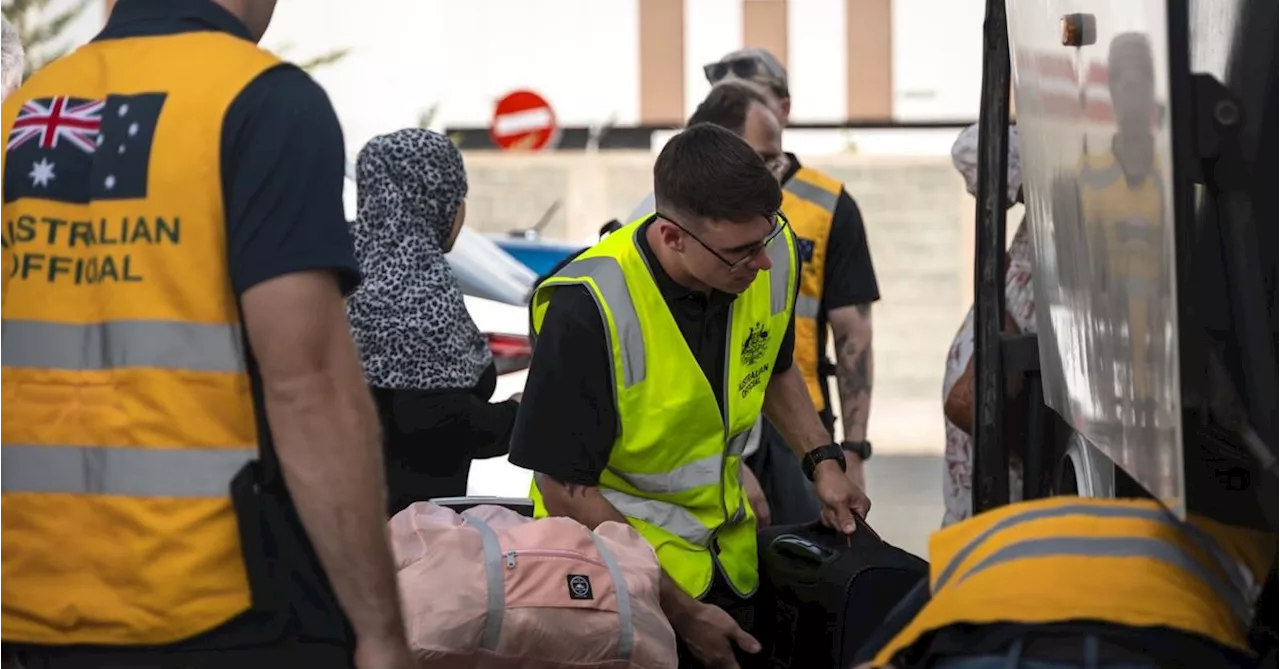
919 222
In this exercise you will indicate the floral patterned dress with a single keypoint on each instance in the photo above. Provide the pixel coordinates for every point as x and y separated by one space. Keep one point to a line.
957 484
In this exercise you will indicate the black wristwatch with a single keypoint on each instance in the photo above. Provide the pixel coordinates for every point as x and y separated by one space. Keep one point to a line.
862 449
828 452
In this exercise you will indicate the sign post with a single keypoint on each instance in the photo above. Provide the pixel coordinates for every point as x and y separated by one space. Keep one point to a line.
523 121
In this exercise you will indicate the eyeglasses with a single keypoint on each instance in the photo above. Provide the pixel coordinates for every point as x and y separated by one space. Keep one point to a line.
779 224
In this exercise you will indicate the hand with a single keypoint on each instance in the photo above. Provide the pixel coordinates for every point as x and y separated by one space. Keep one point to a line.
516 397
390 653
710 634
755 497
854 471
839 496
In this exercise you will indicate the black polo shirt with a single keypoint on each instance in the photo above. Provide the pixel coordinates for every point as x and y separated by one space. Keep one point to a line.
567 421
283 167
283 157
849 277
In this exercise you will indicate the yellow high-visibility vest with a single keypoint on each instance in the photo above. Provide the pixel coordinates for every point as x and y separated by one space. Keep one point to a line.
674 469
1063 559
127 408
809 200
1127 219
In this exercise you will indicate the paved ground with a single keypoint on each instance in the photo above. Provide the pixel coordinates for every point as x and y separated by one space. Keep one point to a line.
905 490
906 498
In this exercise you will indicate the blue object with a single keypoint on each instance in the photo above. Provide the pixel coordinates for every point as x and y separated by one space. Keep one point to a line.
539 255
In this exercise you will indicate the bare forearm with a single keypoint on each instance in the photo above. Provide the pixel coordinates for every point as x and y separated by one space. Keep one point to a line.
788 406
855 368
586 505
582 503
959 404
326 434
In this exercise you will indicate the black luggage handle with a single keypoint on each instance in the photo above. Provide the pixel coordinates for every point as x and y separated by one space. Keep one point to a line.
795 546
863 526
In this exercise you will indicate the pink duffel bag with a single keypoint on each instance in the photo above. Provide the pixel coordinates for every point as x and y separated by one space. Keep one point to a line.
492 588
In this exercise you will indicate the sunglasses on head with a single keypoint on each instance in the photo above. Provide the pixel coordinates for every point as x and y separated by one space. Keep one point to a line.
742 68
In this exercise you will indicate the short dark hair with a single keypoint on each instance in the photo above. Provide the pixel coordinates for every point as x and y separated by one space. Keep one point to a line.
727 105
709 172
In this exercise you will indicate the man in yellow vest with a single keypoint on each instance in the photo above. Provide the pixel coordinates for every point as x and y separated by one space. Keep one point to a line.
191 466
741 108
12 59
658 349
1073 582
1122 195
837 289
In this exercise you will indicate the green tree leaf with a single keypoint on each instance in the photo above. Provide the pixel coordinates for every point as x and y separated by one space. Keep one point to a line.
42 29
326 58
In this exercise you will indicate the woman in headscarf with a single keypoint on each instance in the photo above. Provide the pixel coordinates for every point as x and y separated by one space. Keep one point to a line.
429 366
958 381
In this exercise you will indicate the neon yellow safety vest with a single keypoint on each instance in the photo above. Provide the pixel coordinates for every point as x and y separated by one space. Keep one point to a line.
809 201
1062 559
674 468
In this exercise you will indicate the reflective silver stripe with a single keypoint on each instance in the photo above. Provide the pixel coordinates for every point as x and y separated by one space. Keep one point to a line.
1113 547
199 347
671 517
807 191
695 474
126 471
753 438
607 275
738 443
1099 179
495 587
1239 575
1041 514
741 513
1204 541
646 207
626 624
781 256
807 306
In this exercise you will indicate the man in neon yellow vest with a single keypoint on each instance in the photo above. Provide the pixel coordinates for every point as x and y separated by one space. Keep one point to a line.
657 351
837 288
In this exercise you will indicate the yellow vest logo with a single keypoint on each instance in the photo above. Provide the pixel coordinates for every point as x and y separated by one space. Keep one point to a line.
753 348
755 344
74 151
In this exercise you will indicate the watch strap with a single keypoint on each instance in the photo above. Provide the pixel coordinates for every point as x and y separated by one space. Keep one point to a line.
860 448
828 452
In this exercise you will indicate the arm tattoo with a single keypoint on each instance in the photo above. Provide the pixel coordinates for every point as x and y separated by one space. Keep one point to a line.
855 370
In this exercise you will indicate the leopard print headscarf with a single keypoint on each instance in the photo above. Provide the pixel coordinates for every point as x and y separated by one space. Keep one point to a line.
408 316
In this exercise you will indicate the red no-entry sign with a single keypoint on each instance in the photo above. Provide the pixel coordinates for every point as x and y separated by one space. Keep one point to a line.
523 121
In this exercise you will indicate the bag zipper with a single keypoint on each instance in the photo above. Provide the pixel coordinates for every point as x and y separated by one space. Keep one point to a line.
510 556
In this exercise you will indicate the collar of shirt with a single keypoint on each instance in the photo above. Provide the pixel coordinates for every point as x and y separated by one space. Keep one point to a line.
143 18
672 291
791 171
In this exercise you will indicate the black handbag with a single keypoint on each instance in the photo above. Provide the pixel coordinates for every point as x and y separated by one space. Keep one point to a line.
823 593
